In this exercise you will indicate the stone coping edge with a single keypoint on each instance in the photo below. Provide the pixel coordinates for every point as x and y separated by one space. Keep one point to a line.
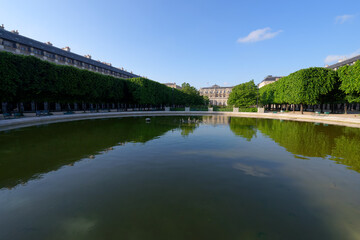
9 124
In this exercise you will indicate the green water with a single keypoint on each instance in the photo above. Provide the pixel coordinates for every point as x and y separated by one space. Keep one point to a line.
180 178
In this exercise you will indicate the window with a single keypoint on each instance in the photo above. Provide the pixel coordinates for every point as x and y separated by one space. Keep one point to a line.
37 51
23 48
49 55
9 44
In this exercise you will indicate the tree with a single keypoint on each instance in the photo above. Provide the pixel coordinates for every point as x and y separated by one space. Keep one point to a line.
310 86
244 95
350 81
192 95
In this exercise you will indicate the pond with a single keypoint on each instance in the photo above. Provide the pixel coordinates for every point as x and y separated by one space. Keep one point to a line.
211 177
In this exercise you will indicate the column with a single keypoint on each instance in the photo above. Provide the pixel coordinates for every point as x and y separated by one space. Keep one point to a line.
57 107
46 106
33 106
3 107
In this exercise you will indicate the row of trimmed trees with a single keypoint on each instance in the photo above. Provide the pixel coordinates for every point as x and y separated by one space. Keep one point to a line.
27 79
314 86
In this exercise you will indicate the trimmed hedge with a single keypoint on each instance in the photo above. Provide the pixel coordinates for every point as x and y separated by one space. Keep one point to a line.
27 78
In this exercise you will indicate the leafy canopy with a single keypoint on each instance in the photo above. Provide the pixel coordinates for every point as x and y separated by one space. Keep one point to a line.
244 95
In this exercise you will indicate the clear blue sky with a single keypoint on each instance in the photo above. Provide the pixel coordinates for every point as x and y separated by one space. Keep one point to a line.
200 42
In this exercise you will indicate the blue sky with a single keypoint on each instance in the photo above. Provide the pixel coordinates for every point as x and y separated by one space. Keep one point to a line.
200 42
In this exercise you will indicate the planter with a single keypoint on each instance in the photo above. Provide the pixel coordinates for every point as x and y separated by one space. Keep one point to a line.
261 110
210 109
235 109
187 109
167 109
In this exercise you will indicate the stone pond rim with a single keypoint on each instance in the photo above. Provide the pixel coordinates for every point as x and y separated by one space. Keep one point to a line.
9 124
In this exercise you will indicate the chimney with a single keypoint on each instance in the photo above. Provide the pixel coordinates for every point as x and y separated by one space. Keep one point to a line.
88 56
2 26
15 32
66 49
49 43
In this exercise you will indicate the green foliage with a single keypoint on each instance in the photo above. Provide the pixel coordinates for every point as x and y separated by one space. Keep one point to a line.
350 81
223 108
306 86
267 94
247 109
26 78
243 95
192 95
199 108
311 85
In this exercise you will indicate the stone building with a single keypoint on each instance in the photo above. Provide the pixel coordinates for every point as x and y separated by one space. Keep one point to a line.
269 79
172 85
343 62
15 43
216 94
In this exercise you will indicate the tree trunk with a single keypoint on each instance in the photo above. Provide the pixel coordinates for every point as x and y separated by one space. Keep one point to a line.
321 107
301 108
345 108
287 107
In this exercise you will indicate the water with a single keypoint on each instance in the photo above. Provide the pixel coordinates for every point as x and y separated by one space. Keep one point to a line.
180 178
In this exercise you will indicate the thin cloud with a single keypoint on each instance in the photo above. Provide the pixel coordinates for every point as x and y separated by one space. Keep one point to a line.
344 18
336 58
259 35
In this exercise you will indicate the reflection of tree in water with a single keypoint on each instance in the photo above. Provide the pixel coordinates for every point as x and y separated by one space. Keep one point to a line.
29 152
244 127
189 125
305 139
310 140
347 151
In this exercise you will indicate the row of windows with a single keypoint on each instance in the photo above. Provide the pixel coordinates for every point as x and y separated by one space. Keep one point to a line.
61 58
218 91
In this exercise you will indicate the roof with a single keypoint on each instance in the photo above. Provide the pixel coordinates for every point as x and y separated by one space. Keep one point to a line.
345 62
270 78
4 34
214 86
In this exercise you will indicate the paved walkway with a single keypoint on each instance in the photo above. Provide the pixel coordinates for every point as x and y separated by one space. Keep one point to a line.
345 120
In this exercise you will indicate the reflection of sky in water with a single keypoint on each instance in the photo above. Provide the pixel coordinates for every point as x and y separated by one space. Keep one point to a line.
256 171
211 184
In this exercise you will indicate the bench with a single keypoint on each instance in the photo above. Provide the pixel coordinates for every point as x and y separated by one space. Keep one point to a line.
274 111
68 112
7 115
317 113
17 115
326 113
43 113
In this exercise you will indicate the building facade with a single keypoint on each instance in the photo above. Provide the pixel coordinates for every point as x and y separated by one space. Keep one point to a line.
15 43
216 94
172 85
269 79
341 63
